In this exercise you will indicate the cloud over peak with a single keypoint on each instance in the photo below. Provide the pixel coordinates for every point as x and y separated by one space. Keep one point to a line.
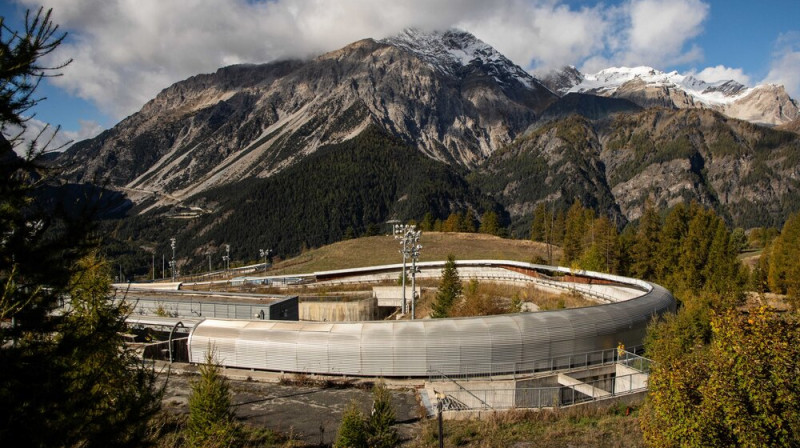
126 51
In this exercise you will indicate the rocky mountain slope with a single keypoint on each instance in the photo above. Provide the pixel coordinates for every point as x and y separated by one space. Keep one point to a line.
765 104
748 173
450 95
296 154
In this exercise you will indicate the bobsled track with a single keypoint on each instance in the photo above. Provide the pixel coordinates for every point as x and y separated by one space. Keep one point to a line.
488 345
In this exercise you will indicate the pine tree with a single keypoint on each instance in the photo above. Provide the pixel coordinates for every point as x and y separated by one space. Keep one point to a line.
490 223
449 289
575 230
452 223
427 222
67 378
211 422
353 429
645 245
380 425
784 266
540 223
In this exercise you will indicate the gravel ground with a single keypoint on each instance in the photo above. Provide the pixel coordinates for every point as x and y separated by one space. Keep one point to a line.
311 413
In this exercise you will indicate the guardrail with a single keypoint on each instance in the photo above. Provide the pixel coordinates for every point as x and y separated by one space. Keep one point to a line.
501 371
549 397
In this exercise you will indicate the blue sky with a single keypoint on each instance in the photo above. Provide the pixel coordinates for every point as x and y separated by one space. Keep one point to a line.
126 51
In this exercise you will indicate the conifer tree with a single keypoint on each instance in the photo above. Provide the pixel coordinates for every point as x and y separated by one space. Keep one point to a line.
784 265
575 230
380 425
353 429
452 223
540 222
67 378
645 245
211 422
449 289
490 223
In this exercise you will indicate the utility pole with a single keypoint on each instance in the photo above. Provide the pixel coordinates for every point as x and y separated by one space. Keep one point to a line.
163 270
154 266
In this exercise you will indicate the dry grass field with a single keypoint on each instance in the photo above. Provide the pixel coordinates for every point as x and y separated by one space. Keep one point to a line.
377 250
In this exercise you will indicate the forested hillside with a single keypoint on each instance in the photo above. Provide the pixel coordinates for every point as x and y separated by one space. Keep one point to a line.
341 191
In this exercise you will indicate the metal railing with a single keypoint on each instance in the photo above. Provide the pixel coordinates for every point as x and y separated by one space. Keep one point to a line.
490 371
550 396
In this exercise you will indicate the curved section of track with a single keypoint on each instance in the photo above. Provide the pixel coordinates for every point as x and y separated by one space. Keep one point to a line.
476 345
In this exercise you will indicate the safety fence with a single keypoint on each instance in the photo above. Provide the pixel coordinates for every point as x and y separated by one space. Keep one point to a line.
544 397
504 370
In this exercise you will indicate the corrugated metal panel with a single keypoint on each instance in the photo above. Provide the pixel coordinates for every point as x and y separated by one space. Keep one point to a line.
344 349
441 349
312 351
474 334
409 351
377 348
453 346
506 341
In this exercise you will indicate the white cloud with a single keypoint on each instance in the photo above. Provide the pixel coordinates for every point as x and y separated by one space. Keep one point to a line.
543 36
88 129
722 73
660 30
785 65
47 137
126 51
42 135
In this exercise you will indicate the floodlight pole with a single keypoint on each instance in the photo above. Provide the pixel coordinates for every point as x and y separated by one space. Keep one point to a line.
265 254
227 257
409 236
172 263
415 248
400 233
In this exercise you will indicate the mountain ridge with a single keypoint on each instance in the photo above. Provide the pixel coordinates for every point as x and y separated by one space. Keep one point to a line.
299 153
767 104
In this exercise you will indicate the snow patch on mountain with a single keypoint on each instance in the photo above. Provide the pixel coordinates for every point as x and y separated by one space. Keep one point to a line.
607 81
449 51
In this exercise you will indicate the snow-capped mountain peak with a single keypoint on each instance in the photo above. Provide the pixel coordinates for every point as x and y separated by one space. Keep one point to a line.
448 51
607 81
647 86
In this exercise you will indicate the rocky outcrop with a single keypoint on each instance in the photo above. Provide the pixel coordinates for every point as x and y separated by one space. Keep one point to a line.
255 120
747 173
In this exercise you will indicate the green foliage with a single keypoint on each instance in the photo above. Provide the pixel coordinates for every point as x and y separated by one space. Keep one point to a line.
490 223
211 422
741 390
21 69
67 378
575 230
380 424
784 262
449 289
344 190
645 245
353 429
375 431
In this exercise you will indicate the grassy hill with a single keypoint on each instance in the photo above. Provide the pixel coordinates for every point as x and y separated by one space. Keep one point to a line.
377 250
